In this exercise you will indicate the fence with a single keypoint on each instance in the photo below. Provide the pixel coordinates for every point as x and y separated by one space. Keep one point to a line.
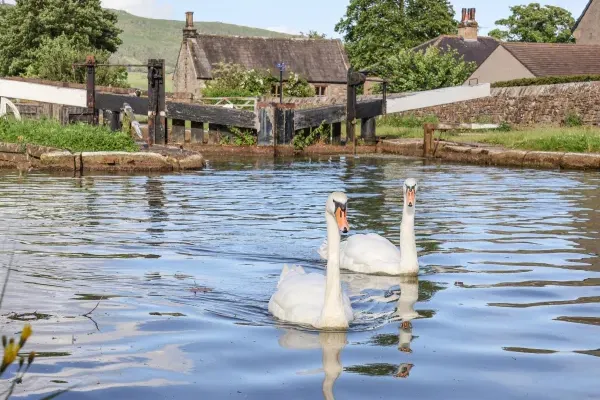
273 123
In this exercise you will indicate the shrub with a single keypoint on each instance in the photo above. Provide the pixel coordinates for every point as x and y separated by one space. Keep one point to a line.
573 119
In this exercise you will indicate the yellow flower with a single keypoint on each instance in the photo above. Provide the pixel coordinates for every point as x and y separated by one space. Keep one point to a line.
26 333
10 354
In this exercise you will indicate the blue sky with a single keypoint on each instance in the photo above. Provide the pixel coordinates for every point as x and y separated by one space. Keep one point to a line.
294 17
320 15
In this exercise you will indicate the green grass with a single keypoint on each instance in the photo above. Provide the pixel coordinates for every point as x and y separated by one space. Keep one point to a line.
575 140
139 80
75 137
145 38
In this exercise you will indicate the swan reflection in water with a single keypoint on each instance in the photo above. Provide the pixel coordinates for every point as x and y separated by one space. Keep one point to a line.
332 343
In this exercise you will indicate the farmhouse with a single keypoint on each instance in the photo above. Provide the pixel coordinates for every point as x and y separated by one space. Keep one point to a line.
587 28
530 60
322 62
468 44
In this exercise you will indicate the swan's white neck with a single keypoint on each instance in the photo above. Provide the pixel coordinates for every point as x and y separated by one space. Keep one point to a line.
409 263
333 314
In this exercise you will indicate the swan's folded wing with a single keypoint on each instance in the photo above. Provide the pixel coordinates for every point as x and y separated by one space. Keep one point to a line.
370 249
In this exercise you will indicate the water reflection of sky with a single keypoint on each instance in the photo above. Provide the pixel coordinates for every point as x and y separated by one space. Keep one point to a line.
182 267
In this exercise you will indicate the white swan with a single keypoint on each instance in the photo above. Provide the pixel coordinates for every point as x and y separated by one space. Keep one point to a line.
374 254
314 299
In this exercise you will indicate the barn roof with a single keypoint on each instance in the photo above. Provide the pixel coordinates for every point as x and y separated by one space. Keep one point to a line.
317 60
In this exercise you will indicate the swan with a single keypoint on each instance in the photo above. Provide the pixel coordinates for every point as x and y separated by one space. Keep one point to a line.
314 299
374 254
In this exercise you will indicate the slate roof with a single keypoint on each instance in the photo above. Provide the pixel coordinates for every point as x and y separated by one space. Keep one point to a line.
556 59
317 60
472 50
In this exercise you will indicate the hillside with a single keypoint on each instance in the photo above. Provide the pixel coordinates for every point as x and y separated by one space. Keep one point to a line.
145 38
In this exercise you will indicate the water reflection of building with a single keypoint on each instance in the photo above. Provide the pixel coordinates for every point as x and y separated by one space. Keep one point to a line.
155 196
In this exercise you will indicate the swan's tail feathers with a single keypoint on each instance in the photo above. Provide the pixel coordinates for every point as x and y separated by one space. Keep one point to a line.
323 250
287 270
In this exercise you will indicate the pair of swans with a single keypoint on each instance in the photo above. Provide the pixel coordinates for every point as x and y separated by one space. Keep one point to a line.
317 300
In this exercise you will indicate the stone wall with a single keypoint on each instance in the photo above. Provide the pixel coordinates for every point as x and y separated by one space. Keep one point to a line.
527 105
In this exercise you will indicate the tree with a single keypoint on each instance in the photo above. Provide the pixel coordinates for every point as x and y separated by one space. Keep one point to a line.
534 23
410 70
24 27
375 29
314 35
55 57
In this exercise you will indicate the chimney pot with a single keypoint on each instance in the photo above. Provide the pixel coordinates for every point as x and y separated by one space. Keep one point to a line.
468 28
464 15
189 19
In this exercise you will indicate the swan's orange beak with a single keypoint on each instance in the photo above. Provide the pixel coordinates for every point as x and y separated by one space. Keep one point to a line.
342 221
410 197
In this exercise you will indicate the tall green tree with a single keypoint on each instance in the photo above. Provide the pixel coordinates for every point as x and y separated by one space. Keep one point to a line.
54 60
30 23
409 70
375 29
534 23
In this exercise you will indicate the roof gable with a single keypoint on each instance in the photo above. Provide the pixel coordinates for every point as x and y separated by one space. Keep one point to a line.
556 59
476 51
317 60
585 10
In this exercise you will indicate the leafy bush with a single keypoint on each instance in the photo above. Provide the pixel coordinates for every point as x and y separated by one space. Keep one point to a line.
547 80
308 137
55 58
234 80
240 137
74 137
409 70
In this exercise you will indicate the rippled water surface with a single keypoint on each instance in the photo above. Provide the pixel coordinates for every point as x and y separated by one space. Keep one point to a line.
181 268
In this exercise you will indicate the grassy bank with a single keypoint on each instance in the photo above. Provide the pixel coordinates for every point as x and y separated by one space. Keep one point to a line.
579 139
76 137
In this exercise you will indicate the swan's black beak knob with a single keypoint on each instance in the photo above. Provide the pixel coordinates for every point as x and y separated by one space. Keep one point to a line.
345 230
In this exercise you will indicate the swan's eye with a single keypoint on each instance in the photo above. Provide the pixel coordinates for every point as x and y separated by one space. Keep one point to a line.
341 206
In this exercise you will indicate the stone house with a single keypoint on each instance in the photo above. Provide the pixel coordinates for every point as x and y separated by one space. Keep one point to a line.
513 60
322 62
587 28
468 43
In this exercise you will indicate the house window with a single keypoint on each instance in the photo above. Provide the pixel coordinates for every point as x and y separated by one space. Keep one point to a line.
275 90
320 90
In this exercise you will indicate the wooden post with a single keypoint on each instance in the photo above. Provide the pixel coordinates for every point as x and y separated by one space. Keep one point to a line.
429 129
91 89
157 117
197 132
265 133
112 119
367 130
336 133
178 131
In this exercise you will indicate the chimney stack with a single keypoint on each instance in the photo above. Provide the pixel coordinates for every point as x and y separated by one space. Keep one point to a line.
189 30
468 27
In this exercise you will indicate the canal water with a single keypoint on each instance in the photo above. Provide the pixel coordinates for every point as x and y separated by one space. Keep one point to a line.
157 286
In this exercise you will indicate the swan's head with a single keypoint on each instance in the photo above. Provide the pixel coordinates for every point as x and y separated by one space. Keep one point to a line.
410 192
337 206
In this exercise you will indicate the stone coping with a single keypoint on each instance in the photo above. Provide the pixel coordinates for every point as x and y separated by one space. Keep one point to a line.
496 156
32 157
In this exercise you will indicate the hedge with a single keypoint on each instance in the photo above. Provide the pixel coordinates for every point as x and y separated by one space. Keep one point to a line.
547 80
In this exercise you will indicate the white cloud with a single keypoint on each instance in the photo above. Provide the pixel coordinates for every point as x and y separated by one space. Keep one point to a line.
284 29
142 8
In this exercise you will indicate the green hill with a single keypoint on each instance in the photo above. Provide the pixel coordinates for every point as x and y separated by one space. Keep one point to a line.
145 38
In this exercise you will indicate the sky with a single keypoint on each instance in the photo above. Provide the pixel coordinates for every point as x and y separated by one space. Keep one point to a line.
295 17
